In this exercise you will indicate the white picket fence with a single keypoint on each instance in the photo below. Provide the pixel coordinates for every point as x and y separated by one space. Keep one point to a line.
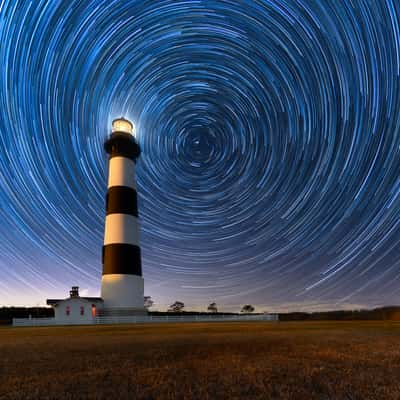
143 319
48 322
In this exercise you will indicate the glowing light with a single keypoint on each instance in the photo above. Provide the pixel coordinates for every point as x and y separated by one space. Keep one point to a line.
123 125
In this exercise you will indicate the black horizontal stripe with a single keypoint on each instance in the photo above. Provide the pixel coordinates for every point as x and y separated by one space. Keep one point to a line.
122 144
121 200
122 259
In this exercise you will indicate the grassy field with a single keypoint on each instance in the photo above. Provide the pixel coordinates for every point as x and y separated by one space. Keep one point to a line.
298 360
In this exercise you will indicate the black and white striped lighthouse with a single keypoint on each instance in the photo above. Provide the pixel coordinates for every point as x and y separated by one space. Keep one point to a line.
122 283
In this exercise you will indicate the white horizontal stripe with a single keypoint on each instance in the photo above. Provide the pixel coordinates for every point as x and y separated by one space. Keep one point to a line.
121 228
122 172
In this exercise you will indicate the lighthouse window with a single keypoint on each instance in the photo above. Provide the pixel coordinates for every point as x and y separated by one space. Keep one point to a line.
82 310
68 311
122 125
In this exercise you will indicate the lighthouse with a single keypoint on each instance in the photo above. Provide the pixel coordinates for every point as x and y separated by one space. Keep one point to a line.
122 288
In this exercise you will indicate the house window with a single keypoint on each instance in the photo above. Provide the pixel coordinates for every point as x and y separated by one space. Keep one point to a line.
82 310
67 311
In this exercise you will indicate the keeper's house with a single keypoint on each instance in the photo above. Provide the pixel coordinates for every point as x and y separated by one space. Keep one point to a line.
76 309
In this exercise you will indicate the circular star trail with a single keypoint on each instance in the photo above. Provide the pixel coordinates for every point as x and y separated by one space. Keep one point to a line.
270 138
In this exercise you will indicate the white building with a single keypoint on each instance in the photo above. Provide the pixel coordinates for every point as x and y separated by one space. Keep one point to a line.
75 309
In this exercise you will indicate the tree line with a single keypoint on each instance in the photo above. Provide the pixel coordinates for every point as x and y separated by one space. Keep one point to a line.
178 306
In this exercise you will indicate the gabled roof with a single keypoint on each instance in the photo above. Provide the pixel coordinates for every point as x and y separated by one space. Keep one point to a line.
53 302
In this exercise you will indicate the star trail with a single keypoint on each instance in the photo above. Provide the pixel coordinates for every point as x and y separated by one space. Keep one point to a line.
270 166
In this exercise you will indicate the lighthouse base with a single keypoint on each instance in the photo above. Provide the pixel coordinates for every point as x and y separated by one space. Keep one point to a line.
122 295
121 312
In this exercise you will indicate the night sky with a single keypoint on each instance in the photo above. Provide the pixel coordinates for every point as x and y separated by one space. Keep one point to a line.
270 135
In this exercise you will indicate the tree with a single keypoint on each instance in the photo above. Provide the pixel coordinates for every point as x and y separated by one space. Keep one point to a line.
177 306
247 308
148 302
212 308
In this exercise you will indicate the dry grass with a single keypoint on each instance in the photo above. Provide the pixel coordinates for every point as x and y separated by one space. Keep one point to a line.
300 360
